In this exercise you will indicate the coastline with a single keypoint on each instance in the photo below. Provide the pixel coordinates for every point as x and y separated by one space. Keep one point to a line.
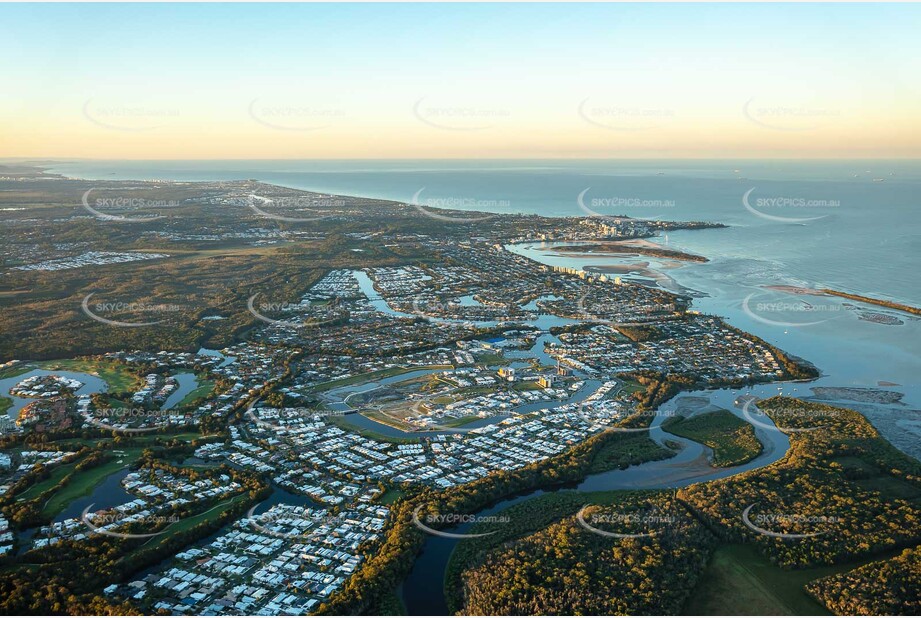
868 353
47 165
869 300
632 247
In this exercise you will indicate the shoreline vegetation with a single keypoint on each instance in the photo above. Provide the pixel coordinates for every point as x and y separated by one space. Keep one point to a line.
371 588
374 582
887 304
72 573
627 247
856 592
874 301
568 568
732 440
878 489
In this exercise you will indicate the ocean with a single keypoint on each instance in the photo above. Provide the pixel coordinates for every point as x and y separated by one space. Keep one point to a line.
868 243
852 226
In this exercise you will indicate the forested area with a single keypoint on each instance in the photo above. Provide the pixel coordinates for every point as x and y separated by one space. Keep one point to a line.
733 440
567 569
840 481
885 588
378 576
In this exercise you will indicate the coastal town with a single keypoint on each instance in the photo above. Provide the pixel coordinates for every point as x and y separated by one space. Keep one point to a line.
379 380
285 561
464 309
283 455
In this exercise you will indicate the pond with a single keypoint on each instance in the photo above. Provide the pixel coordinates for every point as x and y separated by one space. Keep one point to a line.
91 384
187 382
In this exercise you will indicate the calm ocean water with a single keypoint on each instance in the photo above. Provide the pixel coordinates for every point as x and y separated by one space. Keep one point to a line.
848 225
867 243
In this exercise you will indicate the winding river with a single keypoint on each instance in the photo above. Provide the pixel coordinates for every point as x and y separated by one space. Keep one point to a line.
423 589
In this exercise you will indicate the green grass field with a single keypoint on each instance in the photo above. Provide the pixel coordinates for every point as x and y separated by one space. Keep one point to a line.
632 386
343 423
115 374
188 522
14 371
738 581
204 389
83 483
460 422
488 358
390 496
143 440
527 386
5 402
872 478
471 391
733 440
629 449
58 473
187 436
382 418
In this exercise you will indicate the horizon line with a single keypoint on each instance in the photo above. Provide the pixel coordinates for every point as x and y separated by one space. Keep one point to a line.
45 158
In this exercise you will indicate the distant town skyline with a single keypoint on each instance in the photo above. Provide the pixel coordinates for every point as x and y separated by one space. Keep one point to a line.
514 81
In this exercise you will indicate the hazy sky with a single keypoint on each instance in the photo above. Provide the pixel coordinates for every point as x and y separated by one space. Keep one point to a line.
459 81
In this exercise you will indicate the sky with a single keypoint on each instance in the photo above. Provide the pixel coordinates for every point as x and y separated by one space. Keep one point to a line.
470 81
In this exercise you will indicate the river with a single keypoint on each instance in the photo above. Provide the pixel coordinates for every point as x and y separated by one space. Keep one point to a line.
338 397
835 335
423 589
